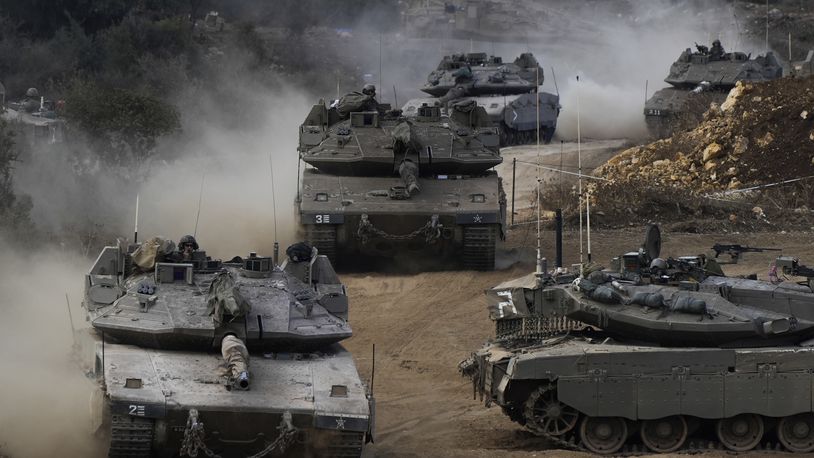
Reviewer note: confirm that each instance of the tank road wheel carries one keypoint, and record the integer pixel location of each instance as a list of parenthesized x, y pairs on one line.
[(323, 237), (546, 415), (479, 247), (665, 434), (741, 432), (603, 435), (796, 432), (130, 437)]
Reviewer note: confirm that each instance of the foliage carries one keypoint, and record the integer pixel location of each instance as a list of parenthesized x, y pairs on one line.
[(14, 210), (124, 124)]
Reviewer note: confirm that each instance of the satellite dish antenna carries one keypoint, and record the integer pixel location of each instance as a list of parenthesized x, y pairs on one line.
[(652, 242)]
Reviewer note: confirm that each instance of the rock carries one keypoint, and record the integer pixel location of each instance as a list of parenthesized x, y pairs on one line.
[(734, 183), (757, 99), (734, 95), (710, 165), (712, 151), (740, 146), (765, 140), (733, 218), (804, 114), (661, 163), (758, 212)]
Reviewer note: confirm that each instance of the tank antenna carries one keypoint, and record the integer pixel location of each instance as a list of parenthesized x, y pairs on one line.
[(135, 231), (554, 76), (274, 208), (372, 369), (380, 60), (539, 200), (579, 164), (70, 319), (200, 197), (395, 97), (767, 26)]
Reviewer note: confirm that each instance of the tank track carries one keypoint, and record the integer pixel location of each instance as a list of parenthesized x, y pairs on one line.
[(323, 237), (511, 137), (691, 445), (130, 437), (479, 247)]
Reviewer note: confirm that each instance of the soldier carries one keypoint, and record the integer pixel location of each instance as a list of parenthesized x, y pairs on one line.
[(186, 246), (717, 51), (31, 102)]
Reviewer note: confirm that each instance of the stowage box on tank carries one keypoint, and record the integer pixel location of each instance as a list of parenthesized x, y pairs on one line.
[(200, 357), (663, 354), (380, 184), (508, 91)]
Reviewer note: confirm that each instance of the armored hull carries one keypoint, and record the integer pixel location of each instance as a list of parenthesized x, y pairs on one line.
[(658, 357), (698, 79), (454, 217), (508, 91), (150, 394), (611, 397), (229, 359), (382, 184)]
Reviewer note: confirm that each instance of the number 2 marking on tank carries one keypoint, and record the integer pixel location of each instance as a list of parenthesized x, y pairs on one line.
[(137, 410)]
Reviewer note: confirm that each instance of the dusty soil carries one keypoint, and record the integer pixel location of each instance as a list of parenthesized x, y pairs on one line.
[(424, 324)]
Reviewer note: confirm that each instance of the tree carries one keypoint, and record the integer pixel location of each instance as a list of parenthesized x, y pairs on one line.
[(15, 221)]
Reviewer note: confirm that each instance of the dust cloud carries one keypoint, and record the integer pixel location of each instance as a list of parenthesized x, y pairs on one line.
[(235, 165), (45, 397)]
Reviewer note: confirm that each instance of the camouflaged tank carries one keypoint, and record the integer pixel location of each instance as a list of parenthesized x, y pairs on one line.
[(378, 183), (202, 357), (508, 91), (664, 358), (700, 78)]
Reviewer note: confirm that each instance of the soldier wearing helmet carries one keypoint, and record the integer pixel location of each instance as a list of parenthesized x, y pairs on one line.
[(717, 51), (31, 102), (186, 246), (369, 90)]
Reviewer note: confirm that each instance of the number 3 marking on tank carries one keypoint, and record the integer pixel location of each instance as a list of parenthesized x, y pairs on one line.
[(136, 410), (508, 303), (322, 219)]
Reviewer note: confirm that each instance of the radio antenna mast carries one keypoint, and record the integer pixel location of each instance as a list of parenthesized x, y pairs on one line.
[(539, 254), (200, 197), (135, 232), (274, 209), (579, 164)]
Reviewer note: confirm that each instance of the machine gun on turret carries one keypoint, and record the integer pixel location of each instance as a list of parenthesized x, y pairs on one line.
[(791, 266), (734, 251)]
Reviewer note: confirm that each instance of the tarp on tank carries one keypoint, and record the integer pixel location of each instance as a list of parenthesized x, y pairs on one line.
[(224, 301), (508, 299), (151, 251)]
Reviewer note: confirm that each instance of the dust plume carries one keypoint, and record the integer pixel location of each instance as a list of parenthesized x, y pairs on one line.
[(44, 403), (235, 164)]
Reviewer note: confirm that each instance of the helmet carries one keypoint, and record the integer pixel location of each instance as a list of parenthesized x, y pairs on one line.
[(187, 239), (32, 92), (716, 43), (369, 89), (658, 263)]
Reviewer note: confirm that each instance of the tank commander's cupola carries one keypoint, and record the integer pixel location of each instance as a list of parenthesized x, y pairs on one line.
[(255, 266), (428, 113)]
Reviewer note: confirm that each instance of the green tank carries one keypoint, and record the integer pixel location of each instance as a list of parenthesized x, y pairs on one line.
[(379, 184), (508, 91), (240, 358), (699, 78), (660, 355)]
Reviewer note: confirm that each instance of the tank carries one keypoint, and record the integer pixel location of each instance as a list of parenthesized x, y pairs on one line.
[(422, 188), (34, 117), (237, 358), (507, 91), (666, 357), (700, 78)]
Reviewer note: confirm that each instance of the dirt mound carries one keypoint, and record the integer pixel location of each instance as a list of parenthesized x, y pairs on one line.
[(763, 134)]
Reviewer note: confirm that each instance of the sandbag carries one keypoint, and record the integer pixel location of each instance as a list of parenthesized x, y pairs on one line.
[(150, 252), (224, 299), (653, 300)]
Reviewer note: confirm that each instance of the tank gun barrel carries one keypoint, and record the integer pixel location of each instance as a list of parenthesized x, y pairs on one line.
[(236, 356)]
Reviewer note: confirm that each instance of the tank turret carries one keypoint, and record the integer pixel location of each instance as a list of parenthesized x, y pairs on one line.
[(233, 358), (655, 353), (703, 76), (383, 184), (508, 91)]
